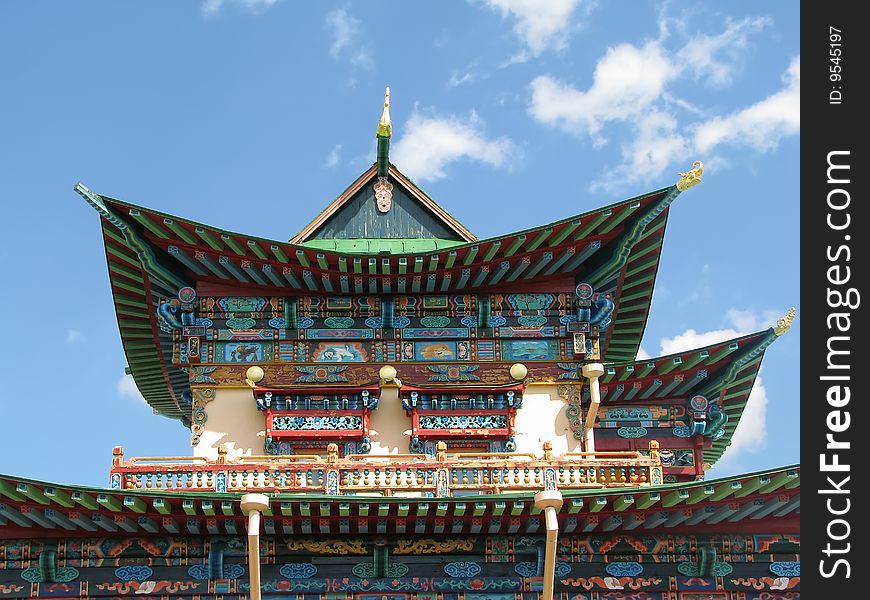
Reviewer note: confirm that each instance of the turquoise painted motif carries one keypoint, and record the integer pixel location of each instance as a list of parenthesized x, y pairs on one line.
[(462, 569), (530, 301), (200, 374), (682, 432), (631, 432), (411, 333), (786, 568), (624, 569), (435, 322), (463, 422), (241, 304), (628, 414), (692, 569), (61, 575), (310, 423), (339, 322), (573, 371), (532, 320), (241, 323), (230, 571), (339, 334), (529, 349), (134, 573), (298, 571)]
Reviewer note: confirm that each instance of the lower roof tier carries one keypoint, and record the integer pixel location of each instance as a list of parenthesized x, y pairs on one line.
[(34, 509)]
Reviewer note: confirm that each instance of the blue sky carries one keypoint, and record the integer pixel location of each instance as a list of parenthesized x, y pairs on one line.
[(252, 115)]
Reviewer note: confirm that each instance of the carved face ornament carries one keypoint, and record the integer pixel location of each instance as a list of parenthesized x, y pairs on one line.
[(383, 194)]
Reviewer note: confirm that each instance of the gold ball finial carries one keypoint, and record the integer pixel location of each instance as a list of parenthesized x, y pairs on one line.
[(519, 371), (387, 373), (255, 374)]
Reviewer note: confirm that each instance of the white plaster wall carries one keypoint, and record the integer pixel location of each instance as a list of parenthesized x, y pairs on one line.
[(388, 425), (233, 419), (542, 419)]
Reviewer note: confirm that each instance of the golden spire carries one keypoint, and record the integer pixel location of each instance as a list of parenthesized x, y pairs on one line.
[(692, 177), (385, 126), (784, 324)]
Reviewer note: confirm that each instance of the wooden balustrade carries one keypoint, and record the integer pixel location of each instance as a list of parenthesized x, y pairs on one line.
[(391, 475)]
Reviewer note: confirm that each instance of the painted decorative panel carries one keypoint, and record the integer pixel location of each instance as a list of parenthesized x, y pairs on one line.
[(241, 352), (410, 333), (312, 423), (340, 352), (435, 351), (463, 422), (530, 350)]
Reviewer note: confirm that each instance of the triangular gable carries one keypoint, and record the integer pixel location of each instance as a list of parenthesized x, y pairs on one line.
[(412, 214)]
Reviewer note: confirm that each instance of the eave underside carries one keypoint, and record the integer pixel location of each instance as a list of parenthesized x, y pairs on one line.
[(38, 509)]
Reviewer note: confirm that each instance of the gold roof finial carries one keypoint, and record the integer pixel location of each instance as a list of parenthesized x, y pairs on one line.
[(385, 126), (692, 177), (784, 324)]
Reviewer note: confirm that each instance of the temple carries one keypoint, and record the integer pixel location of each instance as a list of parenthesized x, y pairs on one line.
[(388, 408)]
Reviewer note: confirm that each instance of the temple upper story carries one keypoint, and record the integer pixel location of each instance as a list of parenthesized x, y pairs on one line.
[(385, 327)]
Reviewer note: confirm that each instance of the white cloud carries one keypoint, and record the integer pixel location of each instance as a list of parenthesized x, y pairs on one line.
[(716, 57), (346, 33), (74, 336), (540, 25), (127, 388), (627, 81), (430, 143), (657, 144), (762, 125), (632, 86), (333, 158), (751, 434), (212, 7), (456, 79)]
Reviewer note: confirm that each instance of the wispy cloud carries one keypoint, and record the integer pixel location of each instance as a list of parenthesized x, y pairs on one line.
[(346, 32), (457, 78), (127, 388), (431, 142), (333, 158), (762, 125), (633, 85), (212, 7), (540, 25), (74, 336), (715, 58)]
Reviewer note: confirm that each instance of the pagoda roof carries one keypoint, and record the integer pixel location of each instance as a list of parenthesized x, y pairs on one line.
[(724, 372), (152, 255), (766, 500)]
